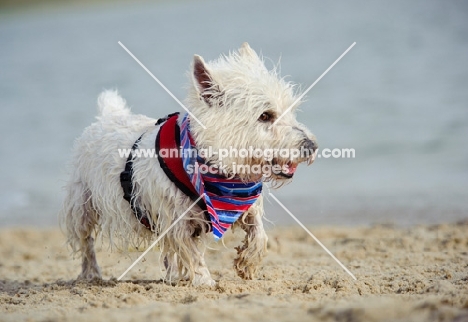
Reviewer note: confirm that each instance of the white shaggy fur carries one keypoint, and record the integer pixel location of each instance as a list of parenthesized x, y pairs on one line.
[(228, 96)]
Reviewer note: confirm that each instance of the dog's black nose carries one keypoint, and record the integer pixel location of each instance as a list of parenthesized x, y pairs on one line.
[(310, 145)]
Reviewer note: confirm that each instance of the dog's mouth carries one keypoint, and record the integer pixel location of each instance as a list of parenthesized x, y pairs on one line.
[(287, 170)]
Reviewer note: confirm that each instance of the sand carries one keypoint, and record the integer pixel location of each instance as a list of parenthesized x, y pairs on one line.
[(403, 274)]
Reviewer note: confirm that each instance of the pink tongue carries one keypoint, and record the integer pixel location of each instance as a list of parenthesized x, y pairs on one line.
[(292, 169)]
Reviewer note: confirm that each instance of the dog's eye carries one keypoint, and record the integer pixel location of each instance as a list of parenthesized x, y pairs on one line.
[(265, 117)]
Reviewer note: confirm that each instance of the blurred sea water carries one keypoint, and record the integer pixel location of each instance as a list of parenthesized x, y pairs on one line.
[(399, 97)]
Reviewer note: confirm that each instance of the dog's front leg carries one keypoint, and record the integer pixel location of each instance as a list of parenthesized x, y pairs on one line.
[(184, 259), (254, 247)]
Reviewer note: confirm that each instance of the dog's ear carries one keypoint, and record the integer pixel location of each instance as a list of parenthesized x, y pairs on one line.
[(248, 52), (203, 80)]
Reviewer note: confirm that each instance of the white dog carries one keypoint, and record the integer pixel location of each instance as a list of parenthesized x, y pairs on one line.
[(134, 199)]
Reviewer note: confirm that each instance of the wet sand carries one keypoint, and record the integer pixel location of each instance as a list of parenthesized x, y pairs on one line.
[(404, 274)]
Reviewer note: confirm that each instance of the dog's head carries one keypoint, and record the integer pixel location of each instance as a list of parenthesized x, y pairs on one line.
[(249, 109)]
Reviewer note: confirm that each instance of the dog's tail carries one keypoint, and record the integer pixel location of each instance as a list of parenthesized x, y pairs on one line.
[(111, 103)]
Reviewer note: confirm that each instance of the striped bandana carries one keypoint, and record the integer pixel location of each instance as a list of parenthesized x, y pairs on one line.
[(226, 199)]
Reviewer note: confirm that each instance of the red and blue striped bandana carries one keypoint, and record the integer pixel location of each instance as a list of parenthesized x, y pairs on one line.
[(226, 199)]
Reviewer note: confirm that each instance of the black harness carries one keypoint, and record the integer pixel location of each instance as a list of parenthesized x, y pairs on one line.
[(126, 181), (127, 186)]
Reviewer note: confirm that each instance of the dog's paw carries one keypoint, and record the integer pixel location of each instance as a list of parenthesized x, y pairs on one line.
[(89, 276), (174, 279), (246, 267), (243, 271), (170, 282), (203, 280)]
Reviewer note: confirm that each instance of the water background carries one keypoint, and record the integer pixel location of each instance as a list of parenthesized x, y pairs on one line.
[(399, 98)]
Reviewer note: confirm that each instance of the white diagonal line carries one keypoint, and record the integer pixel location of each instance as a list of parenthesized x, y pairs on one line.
[(159, 238), (162, 85), (313, 84), (312, 235)]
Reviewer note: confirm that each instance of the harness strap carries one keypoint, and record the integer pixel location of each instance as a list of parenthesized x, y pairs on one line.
[(126, 181), (179, 178), (169, 138), (165, 118)]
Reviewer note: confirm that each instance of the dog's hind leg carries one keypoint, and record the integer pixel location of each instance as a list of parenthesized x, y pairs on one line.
[(254, 248), (172, 269), (81, 220), (89, 267)]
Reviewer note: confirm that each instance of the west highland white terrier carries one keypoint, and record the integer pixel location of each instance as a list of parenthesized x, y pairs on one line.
[(238, 108)]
